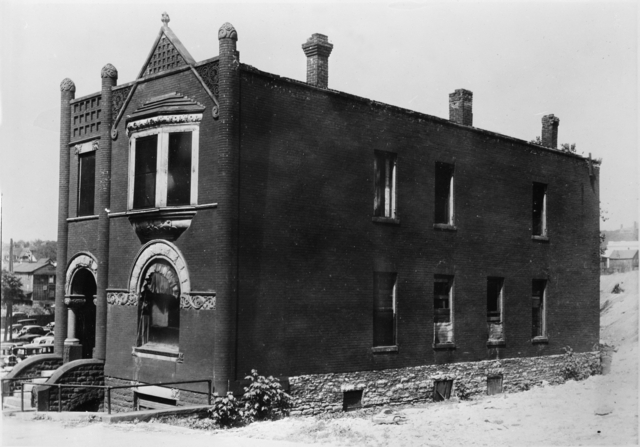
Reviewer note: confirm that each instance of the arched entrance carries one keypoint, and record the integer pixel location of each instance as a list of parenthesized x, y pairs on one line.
[(83, 291)]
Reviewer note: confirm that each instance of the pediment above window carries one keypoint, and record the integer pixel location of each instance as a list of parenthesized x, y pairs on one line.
[(172, 108)]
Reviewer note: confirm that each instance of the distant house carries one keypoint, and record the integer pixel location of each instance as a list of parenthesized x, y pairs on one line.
[(623, 260), (38, 280)]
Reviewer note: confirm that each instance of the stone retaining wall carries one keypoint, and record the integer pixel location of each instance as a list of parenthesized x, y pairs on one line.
[(31, 368), (122, 398), (78, 372), (320, 393)]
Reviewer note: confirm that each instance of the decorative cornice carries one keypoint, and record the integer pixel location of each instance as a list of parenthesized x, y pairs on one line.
[(163, 224), (67, 85), (227, 31), (109, 71), (198, 302), (163, 120), (122, 298)]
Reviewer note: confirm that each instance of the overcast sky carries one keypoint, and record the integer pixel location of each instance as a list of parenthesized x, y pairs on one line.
[(521, 60)]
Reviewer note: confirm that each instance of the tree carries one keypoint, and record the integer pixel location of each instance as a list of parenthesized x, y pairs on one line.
[(566, 147), (11, 287)]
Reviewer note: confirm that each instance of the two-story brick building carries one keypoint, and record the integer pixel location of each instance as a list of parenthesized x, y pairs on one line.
[(216, 219)]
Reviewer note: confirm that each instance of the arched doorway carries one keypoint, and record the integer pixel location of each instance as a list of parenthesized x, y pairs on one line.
[(83, 290)]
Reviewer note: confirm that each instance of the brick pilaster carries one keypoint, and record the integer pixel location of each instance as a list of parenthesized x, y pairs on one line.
[(67, 93), (103, 171), (227, 229)]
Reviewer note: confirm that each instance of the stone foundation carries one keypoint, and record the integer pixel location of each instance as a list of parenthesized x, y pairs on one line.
[(321, 393), (79, 372), (122, 399)]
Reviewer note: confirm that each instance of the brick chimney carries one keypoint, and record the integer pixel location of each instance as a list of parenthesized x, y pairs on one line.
[(550, 131), (317, 49), (461, 107)]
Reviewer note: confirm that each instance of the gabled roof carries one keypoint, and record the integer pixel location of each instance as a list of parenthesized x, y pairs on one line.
[(623, 254), (167, 52), (30, 267)]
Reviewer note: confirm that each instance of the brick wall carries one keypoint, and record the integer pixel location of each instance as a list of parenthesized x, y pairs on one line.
[(78, 372), (308, 245)]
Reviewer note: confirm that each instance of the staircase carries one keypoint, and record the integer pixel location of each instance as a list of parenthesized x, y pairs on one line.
[(12, 403)]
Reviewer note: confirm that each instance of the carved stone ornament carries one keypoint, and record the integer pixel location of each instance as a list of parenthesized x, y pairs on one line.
[(96, 145), (122, 298), (114, 134), (163, 121), (198, 302), (227, 31), (109, 71), (75, 302), (67, 85), (166, 225), (165, 19)]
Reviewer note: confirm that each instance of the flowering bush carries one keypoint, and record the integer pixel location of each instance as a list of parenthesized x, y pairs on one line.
[(265, 398)]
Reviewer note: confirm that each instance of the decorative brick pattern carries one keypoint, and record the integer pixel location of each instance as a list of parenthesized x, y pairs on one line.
[(209, 74), (322, 393), (118, 99), (86, 117), (165, 57)]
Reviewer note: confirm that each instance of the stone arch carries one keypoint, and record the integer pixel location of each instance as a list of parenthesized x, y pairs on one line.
[(153, 251), (82, 260)]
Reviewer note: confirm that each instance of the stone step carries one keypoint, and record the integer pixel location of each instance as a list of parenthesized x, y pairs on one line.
[(40, 379), (47, 373)]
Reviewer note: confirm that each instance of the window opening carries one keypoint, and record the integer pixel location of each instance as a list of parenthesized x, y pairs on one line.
[(179, 179), (442, 307), (494, 308), (442, 390), (538, 307), (494, 384), (384, 311), (86, 183), (159, 320), (444, 194), (539, 223), (385, 184), (351, 400), (150, 402), (144, 188)]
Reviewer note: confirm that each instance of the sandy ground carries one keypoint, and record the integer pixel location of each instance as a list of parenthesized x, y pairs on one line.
[(550, 415)]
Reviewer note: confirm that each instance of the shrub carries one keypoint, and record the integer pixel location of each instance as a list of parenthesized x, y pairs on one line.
[(264, 398), (577, 368), (227, 412)]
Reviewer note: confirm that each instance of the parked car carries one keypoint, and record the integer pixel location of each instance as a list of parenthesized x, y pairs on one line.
[(44, 340), (7, 357), (17, 316), (24, 351), (28, 333)]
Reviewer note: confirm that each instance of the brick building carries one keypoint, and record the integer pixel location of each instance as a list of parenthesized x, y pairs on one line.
[(215, 219)]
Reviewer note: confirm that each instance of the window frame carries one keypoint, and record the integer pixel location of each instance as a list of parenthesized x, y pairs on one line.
[(541, 220), (542, 335), (85, 151), (162, 163), (450, 279), (450, 201), (384, 186), (394, 308)]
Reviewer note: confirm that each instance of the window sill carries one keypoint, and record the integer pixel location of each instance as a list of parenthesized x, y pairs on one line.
[(158, 352), (539, 340), (540, 238), (383, 349), (163, 223), (496, 343), (447, 345), (444, 227), (81, 218), (386, 220)]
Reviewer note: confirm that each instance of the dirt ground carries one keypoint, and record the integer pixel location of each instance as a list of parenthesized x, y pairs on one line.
[(602, 410)]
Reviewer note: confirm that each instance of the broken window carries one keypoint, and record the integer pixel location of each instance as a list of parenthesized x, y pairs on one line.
[(159, 320), (494, 308), (442, 308), (384, 309), (444, 194), (539, 219), (164, 171), (442, 390), (351, 400), (86, 183), (538, 307), (385, 184)]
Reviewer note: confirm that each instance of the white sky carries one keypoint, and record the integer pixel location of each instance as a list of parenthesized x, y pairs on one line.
[(577, 60)]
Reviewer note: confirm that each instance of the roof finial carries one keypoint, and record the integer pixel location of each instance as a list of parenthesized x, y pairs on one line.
[(165, 19)]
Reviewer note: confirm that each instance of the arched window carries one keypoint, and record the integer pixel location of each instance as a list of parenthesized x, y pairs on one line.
[(159, 305)]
